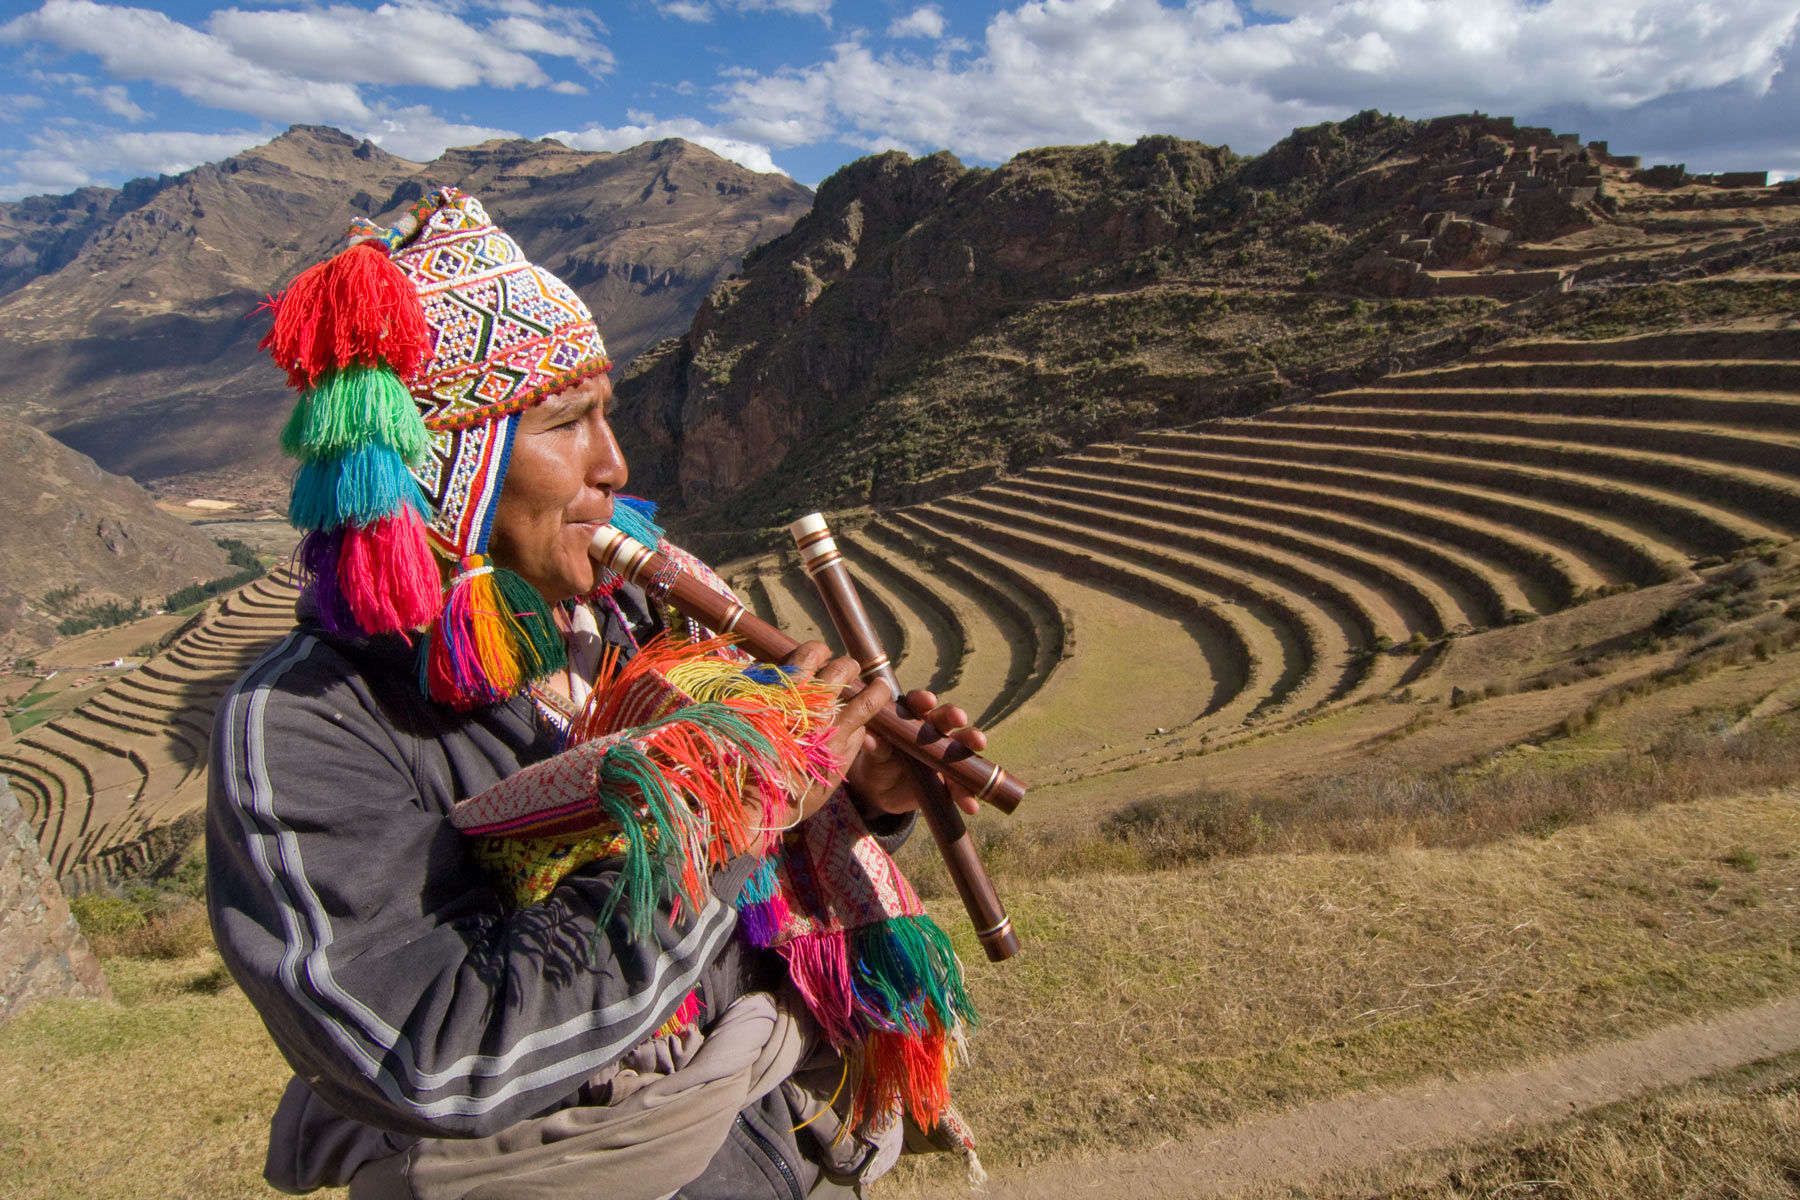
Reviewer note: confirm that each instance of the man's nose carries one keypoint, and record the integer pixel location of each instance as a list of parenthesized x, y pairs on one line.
[(606, 463)]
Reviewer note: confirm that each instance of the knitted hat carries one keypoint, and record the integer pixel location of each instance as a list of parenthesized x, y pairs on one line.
[(415, 350)]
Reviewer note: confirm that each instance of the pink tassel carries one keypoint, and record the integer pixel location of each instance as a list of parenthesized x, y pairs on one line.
[(387, 574), (819, 966)]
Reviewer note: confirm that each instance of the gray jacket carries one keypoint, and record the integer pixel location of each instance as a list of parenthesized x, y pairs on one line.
[(409, 1000)]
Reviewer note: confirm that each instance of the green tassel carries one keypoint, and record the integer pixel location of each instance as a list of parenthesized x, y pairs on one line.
[(905, 963), (540, 645), (626, 773), (352, 407)]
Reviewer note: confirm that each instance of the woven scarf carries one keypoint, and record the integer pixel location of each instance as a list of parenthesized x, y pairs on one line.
[(687, 756)]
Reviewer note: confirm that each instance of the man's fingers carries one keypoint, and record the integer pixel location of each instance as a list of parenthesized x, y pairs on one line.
[(948, 716), (806, 659), (921, 701), (971, 737), (863, 706), (839, 671)]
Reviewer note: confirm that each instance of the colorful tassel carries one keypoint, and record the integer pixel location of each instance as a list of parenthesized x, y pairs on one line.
[(387, 575), (358, 487), (635, 518), (354, 406), (493, 634), (318, 554), (356, 307)]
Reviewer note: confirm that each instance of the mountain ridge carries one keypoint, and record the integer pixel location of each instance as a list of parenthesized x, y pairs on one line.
[(126, 332)]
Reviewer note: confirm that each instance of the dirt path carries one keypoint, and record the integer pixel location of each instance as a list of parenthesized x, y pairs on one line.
[(1297, 1148)]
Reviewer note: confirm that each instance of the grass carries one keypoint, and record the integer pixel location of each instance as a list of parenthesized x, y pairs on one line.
[(1147, 1003), (1380, 808), (1736, 1134)]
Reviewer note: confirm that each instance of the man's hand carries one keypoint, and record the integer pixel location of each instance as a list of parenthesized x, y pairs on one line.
[(812, 660), (883, 780)]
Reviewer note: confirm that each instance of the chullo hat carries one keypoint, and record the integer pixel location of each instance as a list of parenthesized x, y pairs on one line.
[(415, 350)]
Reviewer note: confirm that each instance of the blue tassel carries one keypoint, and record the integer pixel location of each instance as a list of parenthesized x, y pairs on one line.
[(760, 886), (355, 488), (635, 519)]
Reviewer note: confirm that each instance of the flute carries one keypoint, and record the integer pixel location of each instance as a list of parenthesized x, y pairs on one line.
[(639, 564), (824, 565)]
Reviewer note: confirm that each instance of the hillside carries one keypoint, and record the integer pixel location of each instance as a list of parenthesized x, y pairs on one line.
[(126, 311), (928, 325), (82, 536)]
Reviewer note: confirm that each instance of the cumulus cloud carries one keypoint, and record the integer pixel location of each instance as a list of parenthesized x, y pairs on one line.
[(407, 43), (927, 22), (59, 160), (1057, 71), (14, 106), (646, 128), (703, 10), (137, 43), (114, 100), (305, 64), (686, 10), (420, 134)]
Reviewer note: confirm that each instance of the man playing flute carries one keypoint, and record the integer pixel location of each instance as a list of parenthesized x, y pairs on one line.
[(678, 960)]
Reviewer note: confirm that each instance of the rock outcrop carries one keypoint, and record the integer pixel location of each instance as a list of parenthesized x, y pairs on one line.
[(42, 952)]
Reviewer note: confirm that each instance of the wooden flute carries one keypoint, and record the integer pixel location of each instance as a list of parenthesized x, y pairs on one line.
[(824, 564), (639, 564)]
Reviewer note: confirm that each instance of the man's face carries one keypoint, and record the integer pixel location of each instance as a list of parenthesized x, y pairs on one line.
[(560, 481)]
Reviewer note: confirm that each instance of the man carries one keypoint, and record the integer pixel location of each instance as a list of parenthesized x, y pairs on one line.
[(445, 1042)]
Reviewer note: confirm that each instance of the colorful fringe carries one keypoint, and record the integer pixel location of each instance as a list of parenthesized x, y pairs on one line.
[(349, 332), (694, 740)]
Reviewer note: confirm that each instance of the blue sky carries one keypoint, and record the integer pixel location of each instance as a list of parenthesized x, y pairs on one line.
[(100, 92)]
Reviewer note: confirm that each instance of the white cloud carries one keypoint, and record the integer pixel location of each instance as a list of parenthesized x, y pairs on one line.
[(305, 64), (1060, 71), (420, 134), (404, 43), (137, 43), (927, 22), (645, 128), (803, 8), (114, 100), (59, 160), (703, 10), (14, 106)]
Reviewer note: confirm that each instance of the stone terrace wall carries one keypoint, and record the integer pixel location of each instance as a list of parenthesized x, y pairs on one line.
[(42, 952)]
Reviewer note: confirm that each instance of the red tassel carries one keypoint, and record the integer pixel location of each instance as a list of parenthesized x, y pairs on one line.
[(912, 1069), (357, 307), (387, 574)]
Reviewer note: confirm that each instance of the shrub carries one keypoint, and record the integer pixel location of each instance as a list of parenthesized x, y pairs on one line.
[(144, 922)]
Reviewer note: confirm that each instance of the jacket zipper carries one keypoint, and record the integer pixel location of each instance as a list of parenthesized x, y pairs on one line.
[(774, 1156)]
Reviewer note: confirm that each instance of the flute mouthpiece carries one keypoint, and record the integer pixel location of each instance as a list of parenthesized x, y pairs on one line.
[(613, 548), (810, 523)]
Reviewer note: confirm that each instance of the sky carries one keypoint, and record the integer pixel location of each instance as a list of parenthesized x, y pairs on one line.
[(97, 93)]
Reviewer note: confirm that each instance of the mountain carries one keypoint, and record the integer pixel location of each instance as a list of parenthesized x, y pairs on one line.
[(127, 314), (928, 324), (93, 536)]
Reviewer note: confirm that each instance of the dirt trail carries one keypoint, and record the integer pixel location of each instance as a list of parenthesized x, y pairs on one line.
[(1359, 1131)]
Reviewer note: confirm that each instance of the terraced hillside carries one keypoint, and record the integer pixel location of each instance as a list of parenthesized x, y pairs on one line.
[(107, 786), (1514, 518), (1187, 588)]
